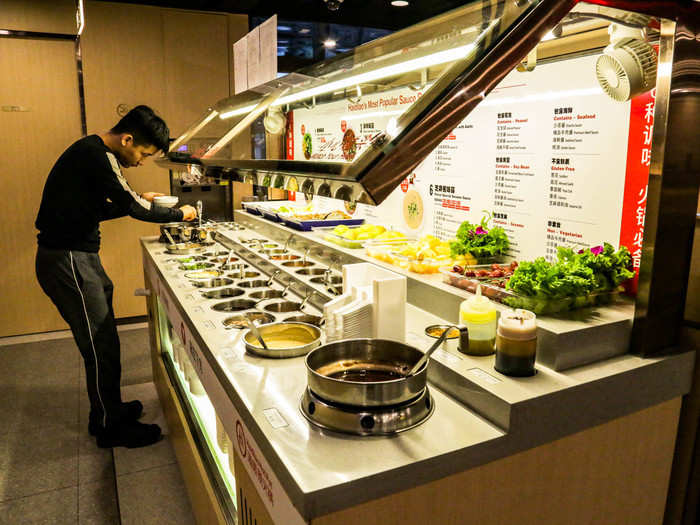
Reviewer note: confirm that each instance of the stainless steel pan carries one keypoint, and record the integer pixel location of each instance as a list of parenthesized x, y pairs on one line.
[(365, 372)]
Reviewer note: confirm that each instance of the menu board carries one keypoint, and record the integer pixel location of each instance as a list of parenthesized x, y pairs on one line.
[(544, 155)]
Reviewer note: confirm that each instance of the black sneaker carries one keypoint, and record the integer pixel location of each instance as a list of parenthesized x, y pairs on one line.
[(131, 411), (130, 435)]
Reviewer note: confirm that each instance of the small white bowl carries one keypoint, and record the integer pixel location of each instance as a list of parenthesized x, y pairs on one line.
[(166, 201)]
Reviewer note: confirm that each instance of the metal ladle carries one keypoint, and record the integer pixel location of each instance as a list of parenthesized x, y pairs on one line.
[(256, 333), (426, 355)]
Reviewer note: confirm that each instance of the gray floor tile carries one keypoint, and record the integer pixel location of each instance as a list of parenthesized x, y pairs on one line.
[(94, 463), (129, 460), (40, 461), (56, 508), (97, 503), (136, 357), (155, 496), (33, 406), (45, 360)]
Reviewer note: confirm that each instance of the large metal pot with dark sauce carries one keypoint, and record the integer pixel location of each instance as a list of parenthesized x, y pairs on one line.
[(365, 372)]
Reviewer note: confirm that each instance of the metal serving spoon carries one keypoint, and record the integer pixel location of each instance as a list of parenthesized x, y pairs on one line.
[(426, 355), (256, 333)]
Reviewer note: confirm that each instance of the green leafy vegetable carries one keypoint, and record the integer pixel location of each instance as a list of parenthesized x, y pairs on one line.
[(573, 274), (478, 240)]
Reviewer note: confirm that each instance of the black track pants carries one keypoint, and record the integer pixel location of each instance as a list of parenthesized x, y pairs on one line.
[(77, 284)]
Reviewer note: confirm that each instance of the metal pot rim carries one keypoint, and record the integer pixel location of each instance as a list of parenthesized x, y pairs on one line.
[(345, 381)]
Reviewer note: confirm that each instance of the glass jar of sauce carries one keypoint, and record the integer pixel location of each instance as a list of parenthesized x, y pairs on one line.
[(516, 343)]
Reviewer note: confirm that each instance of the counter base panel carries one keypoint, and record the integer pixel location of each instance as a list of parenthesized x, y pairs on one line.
[(251, 509), (205, 506), (617, 473)]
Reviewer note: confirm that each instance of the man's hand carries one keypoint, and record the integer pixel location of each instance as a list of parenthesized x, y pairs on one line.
[(150, 194), (188, 213)]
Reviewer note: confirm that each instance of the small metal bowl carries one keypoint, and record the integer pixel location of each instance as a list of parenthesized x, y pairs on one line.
[(185, 248), (297, 264), (240, 321), (203, 275), (259, 283), (267, 294), (451, 342), (188, 260), (306, 335), (335, 279), (235, 305), (285, 257), (284, 306), (244, 275), (194, 266), (222, 293), (224, 259), (436, 330), (213, 283), (311, 271), (315, 320)]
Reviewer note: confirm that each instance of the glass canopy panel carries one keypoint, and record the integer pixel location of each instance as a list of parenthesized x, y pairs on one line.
[(377, 89)]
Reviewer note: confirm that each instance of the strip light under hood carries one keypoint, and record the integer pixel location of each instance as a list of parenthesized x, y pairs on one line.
[(434, 59)]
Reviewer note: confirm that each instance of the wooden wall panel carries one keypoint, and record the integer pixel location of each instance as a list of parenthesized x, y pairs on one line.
[(175, 61), (31, 141), (44, 16), (123, 63), (172, 60), (196, 65)]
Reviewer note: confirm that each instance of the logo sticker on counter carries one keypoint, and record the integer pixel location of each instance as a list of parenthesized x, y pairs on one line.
[(274, 417), (478, 372)]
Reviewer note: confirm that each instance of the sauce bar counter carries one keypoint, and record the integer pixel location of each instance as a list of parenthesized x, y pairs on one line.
[(593, 444)]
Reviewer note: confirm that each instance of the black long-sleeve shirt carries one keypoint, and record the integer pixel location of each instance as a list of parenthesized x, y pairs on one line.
[(84, 187)]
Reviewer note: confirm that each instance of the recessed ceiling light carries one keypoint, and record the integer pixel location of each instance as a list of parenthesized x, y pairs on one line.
[(304, 30), (329, 42), (399, 3)]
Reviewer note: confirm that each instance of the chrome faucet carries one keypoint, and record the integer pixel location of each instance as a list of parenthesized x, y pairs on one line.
[(306, 254), (306, 299), (271, 280), (327, 277), (288, 241)]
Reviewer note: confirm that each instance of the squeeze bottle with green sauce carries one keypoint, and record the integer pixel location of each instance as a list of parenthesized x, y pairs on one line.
[(479, 314)]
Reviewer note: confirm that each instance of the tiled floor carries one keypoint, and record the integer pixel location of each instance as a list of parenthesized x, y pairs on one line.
[(51, 471)]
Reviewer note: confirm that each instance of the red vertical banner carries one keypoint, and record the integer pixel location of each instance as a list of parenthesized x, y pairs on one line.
[(289, 153), (637, 178)]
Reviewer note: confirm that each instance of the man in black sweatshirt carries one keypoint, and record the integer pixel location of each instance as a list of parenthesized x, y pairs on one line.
[(85, 187)]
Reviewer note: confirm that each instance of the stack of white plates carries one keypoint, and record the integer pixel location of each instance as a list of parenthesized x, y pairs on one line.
[(354, 319)]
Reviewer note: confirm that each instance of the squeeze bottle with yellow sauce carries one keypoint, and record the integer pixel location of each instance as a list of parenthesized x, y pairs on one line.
[(479, 314)]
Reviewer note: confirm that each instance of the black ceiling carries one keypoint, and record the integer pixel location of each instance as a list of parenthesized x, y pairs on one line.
[(363, 13)]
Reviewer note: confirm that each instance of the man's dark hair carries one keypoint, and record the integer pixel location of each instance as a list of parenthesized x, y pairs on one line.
[(147, 128)]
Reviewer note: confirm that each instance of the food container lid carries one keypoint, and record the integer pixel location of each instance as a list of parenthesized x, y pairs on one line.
[(518, 324), (477, 309)]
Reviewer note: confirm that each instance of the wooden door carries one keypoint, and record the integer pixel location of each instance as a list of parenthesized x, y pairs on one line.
[(39, 119)]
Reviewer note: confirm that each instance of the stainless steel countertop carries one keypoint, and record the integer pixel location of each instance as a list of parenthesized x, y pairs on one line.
[(322, 472)]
